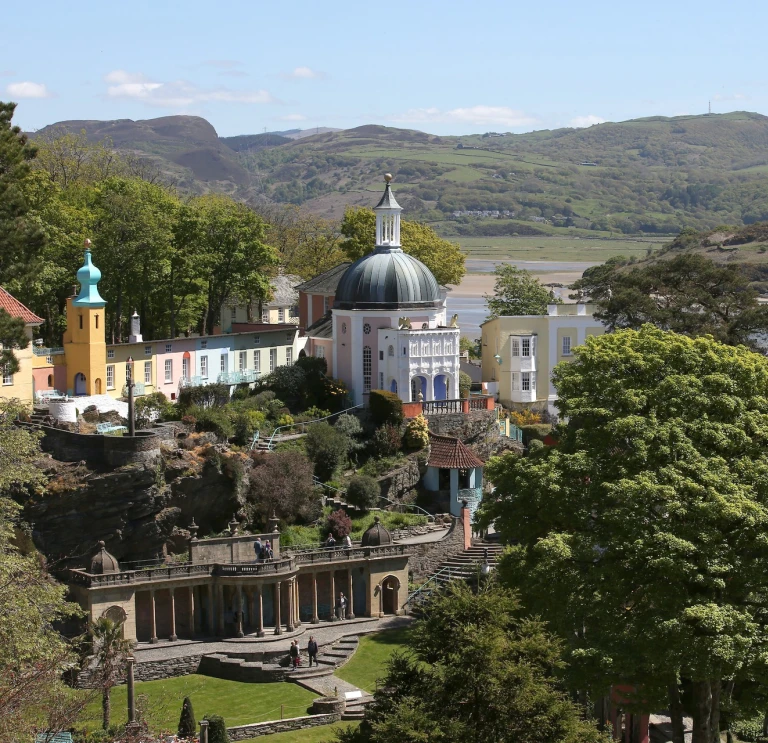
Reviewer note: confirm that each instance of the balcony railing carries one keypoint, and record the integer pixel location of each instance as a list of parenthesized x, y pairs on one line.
[(40, 351), (441, 407), (239, 377), (139, 389)]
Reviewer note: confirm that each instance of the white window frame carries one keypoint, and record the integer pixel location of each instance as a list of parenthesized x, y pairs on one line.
[(223, 364), (203, 344), (110, 353), (147, 350), (204, 367), (168, 347), (265, 316), (168, 370), (272, 359), (367, 368), (257, 361), (525, 382), (289, 356), (566, 345), (256, 340), (242, 360), (515, 381), (147, 372), (185, 368), (515, 346), (281, 314), (325, 305), (110, 376), (320, 352), (525, 348), (381, 380)]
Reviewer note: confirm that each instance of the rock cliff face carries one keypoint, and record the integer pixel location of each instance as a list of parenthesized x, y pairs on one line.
[(140, 511), (479, 430)]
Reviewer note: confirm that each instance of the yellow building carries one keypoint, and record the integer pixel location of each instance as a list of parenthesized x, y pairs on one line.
[(85, 347), (20, 385), (519, 352)]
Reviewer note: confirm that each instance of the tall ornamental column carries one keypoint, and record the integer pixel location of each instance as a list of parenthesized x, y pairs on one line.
[(131, 690), (173, 636), (259, 612), (152, 617), (278, 628), (220, 607), (191, 608), (289, 618), (297, 611), (350, 612), (210, 626), (315, 618), (333, 596), (239, 610)]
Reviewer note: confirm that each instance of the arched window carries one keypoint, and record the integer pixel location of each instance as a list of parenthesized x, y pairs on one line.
[(81, 322), (415, 388), (391, 351), (366, 369), (50, 380)]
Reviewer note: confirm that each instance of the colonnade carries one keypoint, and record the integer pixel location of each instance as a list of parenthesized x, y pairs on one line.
[(214, 606)]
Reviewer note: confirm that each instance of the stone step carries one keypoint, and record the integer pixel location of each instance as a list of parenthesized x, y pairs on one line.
[(335, 654)]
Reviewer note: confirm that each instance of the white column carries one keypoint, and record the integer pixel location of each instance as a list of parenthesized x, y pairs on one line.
[(355, 332)]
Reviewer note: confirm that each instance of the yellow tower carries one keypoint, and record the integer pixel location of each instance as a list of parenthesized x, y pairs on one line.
[(85, 348)]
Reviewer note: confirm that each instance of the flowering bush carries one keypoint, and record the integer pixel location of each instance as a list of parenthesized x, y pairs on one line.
[(417, 433), (524, 417)]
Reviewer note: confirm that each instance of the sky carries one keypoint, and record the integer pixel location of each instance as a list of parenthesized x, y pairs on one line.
[(443, 67)]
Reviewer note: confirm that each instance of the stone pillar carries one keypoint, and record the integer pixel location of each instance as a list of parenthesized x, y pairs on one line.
[(289, 618), (210, 627), (239, 610), (173, 636), (203, 731), (192, 611), (333, 595), (315, 618), (131, 691), (278, 628), (350, 612), (297, 612), (259, 612), (152, 617)]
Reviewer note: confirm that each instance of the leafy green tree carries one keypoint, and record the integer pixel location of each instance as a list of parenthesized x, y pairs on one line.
[(13, 336), (465, 384), (443, 258), (327, 448), (640, 537), (472, 347), (688, 294), (21, 238), (517, 292), (363, 491), (187, 722), (476, 670), (229, 238), (110, 652)]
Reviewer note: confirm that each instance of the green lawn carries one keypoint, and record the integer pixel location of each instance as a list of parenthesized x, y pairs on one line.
[(368, 663), (237, 703), (322, 734)]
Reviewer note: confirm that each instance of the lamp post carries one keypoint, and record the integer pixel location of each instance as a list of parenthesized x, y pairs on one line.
[(129, 383), (131, 691)]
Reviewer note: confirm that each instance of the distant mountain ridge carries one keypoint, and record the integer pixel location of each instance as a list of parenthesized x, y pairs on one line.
[(653, 175)]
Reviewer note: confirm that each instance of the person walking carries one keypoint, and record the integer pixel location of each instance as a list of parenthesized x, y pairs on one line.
[(342, 606), (312, 650), (294, 653), (258, 548)]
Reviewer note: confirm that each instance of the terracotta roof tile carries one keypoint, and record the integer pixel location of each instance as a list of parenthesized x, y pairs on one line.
[(450, 453), (16, 309)]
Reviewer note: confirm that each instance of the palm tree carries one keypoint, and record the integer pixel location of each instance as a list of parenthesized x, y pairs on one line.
[(110, 652)]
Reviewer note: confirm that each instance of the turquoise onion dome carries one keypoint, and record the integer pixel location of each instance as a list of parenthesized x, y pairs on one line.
[(88, 276)]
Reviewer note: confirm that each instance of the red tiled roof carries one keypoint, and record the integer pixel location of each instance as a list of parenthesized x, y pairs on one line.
[(451, 453), (16, 309)]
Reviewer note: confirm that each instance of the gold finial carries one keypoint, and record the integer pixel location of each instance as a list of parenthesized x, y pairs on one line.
[(87, 244), (387, 177)]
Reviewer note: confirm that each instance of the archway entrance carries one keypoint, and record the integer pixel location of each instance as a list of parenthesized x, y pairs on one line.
[(97, 386), (393, 386), (390, 588), (118, 616), (80, 383), (441, 387), (418, 384)]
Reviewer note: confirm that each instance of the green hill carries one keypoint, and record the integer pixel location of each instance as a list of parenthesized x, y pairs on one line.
[(654, 175)]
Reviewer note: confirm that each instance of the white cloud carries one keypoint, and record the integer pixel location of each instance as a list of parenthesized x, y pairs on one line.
[(176, 94), (27, 90), (303, 73), (475, 115), (579, 122)]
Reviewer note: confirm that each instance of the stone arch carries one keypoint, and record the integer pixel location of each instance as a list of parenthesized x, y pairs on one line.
[(50, 380), (97, 386), (418, 384), (441, 386), (117, 615), (393, 385), (390, 595)]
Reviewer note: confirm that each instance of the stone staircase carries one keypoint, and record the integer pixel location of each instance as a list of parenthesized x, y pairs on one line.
[(462, 566), (355, 708), (252, 668)]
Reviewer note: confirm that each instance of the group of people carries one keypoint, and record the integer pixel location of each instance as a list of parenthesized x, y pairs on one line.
[(263, 550), (330, 543), (295, 652)]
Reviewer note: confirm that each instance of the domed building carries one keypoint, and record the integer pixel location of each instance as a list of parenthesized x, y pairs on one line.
[(386, 327)]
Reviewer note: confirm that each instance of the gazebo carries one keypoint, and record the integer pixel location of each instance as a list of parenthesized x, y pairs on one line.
[(453, 469)]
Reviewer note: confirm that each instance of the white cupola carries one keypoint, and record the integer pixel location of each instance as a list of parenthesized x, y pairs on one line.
[(135, 336), (388, 219)]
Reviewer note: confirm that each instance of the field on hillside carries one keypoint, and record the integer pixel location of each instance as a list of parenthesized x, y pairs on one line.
[(553, 248)]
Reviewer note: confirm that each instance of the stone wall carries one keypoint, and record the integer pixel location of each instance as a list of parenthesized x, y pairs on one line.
[(395, 485), (257, 729), (427, 556), (230, 549), (165, 669), (478, 429)]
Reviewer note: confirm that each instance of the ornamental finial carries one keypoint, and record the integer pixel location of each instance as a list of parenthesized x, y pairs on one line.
[(87, 244), (387, 177)]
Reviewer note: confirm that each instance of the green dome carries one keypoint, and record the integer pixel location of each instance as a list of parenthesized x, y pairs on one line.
[(89, 276)]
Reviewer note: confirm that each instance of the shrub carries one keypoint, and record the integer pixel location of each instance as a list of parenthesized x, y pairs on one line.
[(287, 382), (535, 445), (385, 407), (281, 482), (215, 420), (417, 433), (535, 431), (187, 722), (363, 492), (246, 423), (465, 384), (314, 412), (327, 448), (524, 417), (386, 441), (207, 396), (339, 524), (351, 427), (750, 729), (217, 730)]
